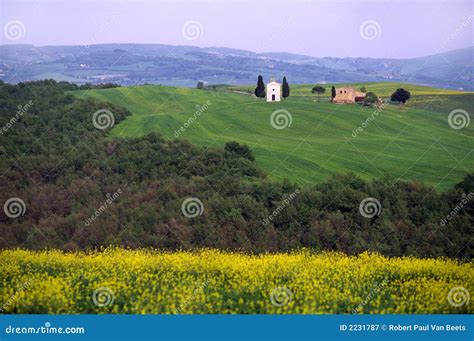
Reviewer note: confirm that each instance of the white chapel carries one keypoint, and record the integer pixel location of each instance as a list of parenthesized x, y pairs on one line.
[(273, 91)]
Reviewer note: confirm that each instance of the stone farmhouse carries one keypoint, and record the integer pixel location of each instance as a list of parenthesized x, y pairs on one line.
[(348, 95), (273, 91)]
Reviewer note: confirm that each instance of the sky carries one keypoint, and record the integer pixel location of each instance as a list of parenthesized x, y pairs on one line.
[(368, 28)]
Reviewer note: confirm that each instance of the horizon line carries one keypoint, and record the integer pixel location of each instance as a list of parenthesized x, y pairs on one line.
[(237, 49)]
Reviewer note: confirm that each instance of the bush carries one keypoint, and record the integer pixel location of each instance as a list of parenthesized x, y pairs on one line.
[(370, 98), (239, 149), (401, 95)]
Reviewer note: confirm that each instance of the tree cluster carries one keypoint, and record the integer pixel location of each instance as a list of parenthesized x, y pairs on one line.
[(400, 95)]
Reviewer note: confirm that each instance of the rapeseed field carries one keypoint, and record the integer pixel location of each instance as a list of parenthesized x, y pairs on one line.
[(117, 280)]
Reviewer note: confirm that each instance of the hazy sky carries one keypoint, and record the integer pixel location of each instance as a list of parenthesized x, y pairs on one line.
[(396, 29)]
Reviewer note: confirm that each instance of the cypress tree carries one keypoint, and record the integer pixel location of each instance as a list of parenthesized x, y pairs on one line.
[(333, 92), (260, 89), (286, 88)]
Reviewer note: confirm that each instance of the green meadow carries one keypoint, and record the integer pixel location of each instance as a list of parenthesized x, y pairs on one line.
[(411, 142)]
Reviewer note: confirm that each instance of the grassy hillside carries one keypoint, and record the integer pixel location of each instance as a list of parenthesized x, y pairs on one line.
[(411, 142), (209, 282)]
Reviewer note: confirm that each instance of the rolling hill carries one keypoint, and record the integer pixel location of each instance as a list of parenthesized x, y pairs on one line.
[(133, 64), (413, 142)]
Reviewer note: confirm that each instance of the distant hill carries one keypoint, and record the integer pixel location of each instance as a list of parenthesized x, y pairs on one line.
[(131, 64)]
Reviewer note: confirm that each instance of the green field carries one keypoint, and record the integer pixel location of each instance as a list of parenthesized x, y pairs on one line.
[(412, 142)]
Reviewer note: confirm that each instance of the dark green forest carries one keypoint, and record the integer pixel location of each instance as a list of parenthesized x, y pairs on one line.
[(67, 171)]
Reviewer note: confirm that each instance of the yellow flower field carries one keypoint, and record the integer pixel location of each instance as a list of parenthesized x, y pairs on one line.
[(118, 280)]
